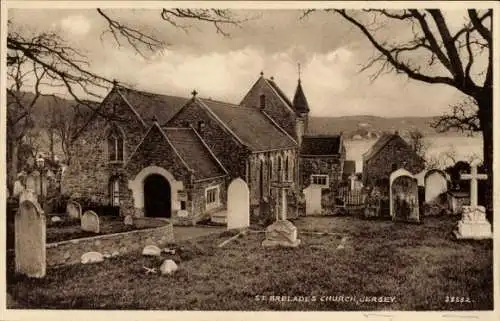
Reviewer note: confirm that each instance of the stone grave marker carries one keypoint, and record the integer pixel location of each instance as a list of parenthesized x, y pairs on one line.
[(403, 196), (281, 233), (238, 204), (74, 210), (474, 224), (30, 237), (90, 222), (312, 195), (435, 184)]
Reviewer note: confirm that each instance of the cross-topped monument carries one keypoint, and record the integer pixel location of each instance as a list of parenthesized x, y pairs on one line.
[(474, 224), (473, 177), (281, 186)]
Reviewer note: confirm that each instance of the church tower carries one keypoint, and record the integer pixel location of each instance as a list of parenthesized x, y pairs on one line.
[(301, 108)]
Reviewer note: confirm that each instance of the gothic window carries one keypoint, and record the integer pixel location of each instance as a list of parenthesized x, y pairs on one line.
[(280, 174), (114, 191), (269, 174), (261, 179), (115, 145), (287, 169), (262, 101)]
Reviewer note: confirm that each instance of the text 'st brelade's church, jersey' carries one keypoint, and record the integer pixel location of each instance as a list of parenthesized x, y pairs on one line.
[(167, 156)]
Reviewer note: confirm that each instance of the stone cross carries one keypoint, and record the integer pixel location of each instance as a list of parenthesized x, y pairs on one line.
[(473, 177), (281, 185)]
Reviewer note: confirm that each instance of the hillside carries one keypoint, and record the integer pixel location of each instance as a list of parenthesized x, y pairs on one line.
[(369, 127)]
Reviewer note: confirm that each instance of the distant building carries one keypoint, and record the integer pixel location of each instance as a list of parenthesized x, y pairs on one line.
[(321, 160), (389, 153)]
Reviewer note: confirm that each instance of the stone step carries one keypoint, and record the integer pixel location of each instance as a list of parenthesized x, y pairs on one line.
[(220, 217)]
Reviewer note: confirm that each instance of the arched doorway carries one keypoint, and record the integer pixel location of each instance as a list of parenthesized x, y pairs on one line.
[(157, 196)]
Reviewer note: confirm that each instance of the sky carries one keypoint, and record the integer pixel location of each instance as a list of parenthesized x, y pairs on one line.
[(330, 51)]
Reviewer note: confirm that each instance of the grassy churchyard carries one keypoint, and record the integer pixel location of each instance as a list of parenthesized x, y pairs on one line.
[(417, 267)]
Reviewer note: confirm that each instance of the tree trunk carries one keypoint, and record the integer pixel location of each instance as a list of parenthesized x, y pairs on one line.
[(485, 103), (14, 151)]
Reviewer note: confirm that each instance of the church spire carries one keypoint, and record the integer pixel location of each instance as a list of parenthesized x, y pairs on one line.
[(299, 100)]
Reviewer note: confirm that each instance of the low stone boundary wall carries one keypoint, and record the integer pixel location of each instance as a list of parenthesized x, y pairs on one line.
[(70, 252)]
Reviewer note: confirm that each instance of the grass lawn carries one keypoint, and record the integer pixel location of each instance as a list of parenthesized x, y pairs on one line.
[(419, 265)]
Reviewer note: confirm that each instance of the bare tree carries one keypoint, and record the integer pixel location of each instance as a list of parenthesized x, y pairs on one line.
[(46, 59), (463, 116), (417, 142), (452, 57)]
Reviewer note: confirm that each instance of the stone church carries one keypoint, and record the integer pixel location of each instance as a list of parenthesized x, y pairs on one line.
[(167, 156)]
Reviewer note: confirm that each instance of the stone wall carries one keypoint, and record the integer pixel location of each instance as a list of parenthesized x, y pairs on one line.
[(331, 166), (256, 160), (225, 147), (197, 202), (275, 107), (396, 154), (70, 252), (89, 171)]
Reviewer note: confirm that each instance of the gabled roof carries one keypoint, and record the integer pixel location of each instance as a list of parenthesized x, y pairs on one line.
[(194, 152), (299, 100), (321, 145), (279, 91), (379, 144), (250, 126), (148, 105)]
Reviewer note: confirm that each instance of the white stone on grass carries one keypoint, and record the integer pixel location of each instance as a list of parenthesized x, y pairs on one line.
[(151, 250), (168, 267), (55, 219), (128, 220), (92, 257), (115, 253)]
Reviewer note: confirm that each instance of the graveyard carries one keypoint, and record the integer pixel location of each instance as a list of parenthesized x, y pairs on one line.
[(416, 241), (419, 265)]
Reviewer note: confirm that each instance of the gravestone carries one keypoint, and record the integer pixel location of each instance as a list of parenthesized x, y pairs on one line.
[(30, 237), (90, 222), (281, 233), (403, 196), (74, 210), (312, 195), (435, 185), (128, 220), (238, 204), (474, 224)]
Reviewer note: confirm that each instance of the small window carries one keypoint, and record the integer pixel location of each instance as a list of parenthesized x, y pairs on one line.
[(262, 101), (212, 197), (183, 205), (319, 180), (201, 125)]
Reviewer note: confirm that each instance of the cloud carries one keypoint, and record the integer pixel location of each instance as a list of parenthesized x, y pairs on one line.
[(76, 25)]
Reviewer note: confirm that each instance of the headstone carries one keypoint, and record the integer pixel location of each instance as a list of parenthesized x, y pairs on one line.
[(30, 237), (404, 196), (457, 200), (435, 185), (90, 222), (91, 257), (18, 188), (238, 204), (55, 219), (312, 195), (151, 250), (128, 220), (474, 224), (281, 233), (168, 267), (74, 210)]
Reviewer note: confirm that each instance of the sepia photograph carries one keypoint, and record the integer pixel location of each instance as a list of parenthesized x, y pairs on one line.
[(248, 157)]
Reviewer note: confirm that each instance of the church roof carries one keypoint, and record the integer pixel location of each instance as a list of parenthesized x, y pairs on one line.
[(378, 145), (321, 145), (299, 100), (148, 105), (250, 126), (194, 152), (279, 92)]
